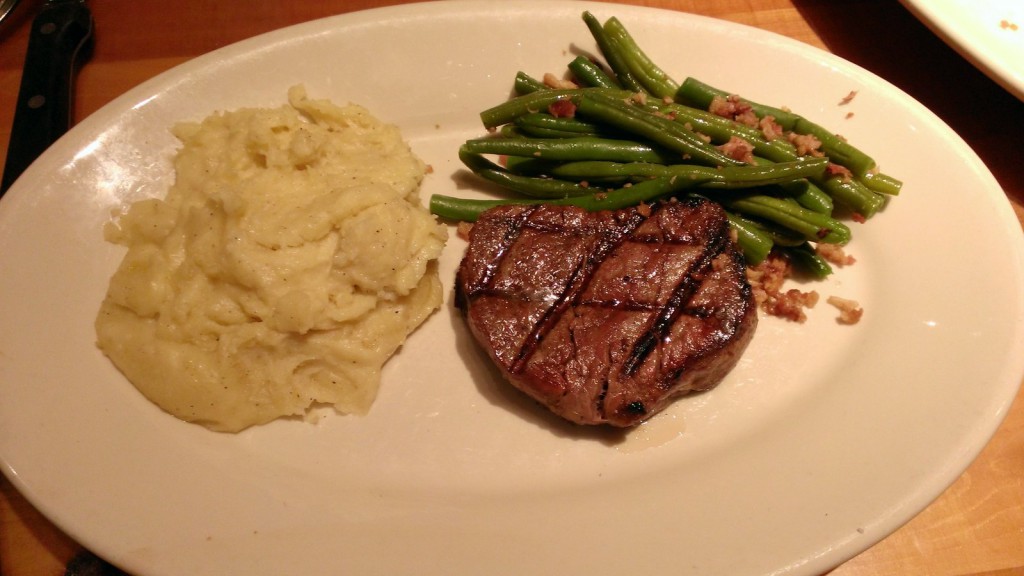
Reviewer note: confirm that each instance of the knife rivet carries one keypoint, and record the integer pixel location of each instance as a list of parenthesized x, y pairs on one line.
[(48, 28), (36, 101)]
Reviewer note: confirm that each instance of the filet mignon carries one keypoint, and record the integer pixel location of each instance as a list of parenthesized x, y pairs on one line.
[(606, 317)]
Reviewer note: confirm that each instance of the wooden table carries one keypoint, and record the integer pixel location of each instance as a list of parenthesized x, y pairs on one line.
[(976, 527)]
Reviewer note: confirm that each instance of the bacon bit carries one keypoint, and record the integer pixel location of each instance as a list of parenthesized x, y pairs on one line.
[(835, 254), (503, 160), (766, 280), (552, 81), (734, 108), (584, 184), (791, 304), (822, 233), (834, 169), (848, 98), (562, 109), (770, 128), (429, 169), (738, 149), (462, 230), (805, 144), (644, 209), (639, 98), (720, 107), (858, 218), (850, 311), (1007, 25), (747, 118), (849, 115)]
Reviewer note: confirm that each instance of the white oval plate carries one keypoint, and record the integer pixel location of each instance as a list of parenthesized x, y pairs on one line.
[(823, 440), (988, 33)]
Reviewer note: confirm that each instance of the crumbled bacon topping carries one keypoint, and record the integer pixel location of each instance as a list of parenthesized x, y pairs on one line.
[(834, 254), (850, 311), (843, 172), (848, 98), (734, 108), (766, 280), (639, 98), (806, 144), (562, 109), (738, 149), (770, 128)]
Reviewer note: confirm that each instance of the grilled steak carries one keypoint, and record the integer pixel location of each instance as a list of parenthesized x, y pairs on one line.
[(606, 317)]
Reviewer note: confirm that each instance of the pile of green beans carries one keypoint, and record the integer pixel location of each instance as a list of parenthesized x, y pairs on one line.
[(629, 134)]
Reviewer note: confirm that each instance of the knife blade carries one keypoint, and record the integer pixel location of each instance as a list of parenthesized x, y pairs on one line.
[(43, 107)]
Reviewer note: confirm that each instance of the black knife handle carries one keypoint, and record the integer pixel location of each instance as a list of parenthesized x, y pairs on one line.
[(44, 103)]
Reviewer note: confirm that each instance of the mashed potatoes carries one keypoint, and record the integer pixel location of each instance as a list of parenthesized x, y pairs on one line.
[(288, 262)]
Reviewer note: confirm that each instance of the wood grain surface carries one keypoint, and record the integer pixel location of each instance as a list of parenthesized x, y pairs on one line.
[(975, 528)]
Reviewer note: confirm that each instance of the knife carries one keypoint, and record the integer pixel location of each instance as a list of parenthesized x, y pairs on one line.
[(43, 111)]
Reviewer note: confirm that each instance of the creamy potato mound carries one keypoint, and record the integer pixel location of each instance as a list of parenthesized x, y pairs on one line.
[(289, 260)]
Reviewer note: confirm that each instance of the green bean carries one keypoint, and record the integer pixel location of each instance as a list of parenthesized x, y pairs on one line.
[(662, 131), (852, 194), (882, 183), (590, 74), (468, 210), (538, 101), (606, 44), (526, 84), (811, 196), (647, 73), (700, 95), (721, 130), (545, 125), (581, 148), (548, 188), (806, 260), (753, 241), (812, 225), (840, 151), (638, 136), (724, 178), (804, 191)]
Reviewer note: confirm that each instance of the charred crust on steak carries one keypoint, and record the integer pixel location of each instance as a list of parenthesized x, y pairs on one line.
[(606, 317)]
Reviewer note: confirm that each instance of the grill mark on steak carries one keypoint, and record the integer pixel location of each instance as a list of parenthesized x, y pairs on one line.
[(511, 235), (677, 303), (579, 280), (605, 317)]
